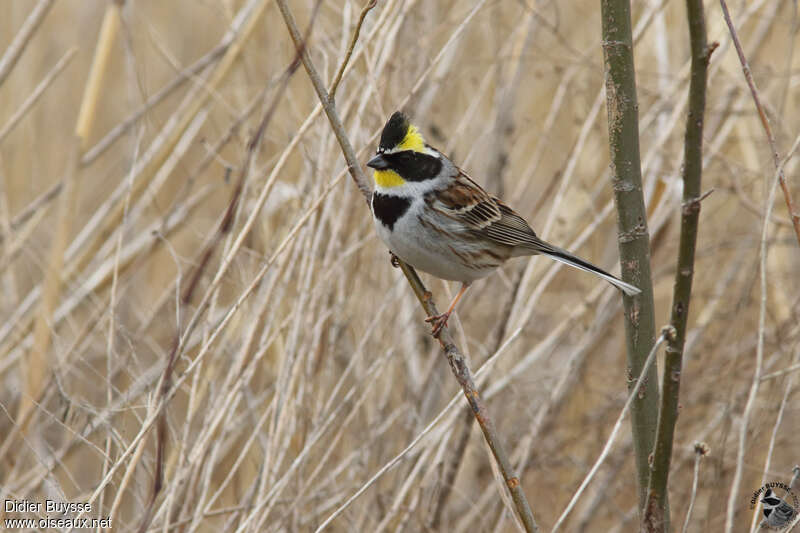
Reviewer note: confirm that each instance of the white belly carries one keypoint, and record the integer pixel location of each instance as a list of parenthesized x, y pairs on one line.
[(426, 250)]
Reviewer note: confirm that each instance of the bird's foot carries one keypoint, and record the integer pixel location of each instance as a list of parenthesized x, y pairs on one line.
[(438, 322), (395, 261)]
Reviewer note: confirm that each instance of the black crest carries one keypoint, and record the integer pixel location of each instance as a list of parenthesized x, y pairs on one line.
[(394, 131)]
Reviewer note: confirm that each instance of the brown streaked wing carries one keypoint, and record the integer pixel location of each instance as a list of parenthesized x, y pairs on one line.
[(512, 229), (465, 201), (484, 214)]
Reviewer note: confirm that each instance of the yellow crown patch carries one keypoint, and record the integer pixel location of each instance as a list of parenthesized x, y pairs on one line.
[(413, 140)]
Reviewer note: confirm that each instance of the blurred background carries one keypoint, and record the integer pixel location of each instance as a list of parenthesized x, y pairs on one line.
[(308, 366)]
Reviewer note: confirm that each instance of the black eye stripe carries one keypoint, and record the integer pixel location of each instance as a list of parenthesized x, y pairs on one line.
[(388, 208), (414, 166)]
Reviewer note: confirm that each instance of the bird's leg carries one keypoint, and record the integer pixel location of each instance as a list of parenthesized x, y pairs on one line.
[(440, 321)]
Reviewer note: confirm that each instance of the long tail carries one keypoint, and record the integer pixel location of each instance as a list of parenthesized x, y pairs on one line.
[(567, 258)]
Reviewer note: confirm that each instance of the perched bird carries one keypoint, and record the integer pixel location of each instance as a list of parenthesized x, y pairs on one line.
[(777, 513), (435, 218)]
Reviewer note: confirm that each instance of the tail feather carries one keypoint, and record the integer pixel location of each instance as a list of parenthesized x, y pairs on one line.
[(576, 262)]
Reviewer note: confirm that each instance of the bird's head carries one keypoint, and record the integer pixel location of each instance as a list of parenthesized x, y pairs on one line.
[(402, 155), (770, 499)]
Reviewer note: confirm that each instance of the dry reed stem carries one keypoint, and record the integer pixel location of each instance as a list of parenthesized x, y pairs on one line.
[(112, 214), (37, 364), (335, 85), (31, 100), (23, 38), (224, 229), (448, 409), (218, 420)]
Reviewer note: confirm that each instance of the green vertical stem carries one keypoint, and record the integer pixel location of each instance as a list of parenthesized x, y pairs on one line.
[(634, 240), (656, 518)]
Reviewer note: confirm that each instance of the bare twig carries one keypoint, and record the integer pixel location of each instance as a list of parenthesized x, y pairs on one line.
[(748, 76), (456, 359), (787, 393), (431, 425), (23, 37), (762, 317), (667, 332), (37, 92), (335, 85), (700, 451), (656, 516), (778, 373)]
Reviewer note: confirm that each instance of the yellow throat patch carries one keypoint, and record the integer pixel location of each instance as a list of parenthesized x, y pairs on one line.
[(412, 141), (387, 178)]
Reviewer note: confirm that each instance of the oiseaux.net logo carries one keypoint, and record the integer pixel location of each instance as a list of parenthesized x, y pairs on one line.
[(779, 503)]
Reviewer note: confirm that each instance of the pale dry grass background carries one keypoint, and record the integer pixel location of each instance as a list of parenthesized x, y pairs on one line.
[(327, 371)]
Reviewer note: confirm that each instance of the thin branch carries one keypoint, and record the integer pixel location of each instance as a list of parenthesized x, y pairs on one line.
[(787, 393), (634, 239), (762, 317), (356, 32), (700, 451), (748, 76), (31, 100), (23, 37), (431, 425), (667, 332), (353, 166), (656, 517), (779, 373), (457, 361)]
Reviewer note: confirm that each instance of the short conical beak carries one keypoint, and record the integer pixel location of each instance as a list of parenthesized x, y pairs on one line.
[(378, 162)]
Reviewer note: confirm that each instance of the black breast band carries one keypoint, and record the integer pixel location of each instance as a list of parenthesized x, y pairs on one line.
[(388, 208)]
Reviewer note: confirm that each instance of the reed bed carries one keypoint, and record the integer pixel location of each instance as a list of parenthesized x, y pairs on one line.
[(200, 330)]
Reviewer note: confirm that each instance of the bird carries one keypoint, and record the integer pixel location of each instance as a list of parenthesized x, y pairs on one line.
[(777, 513), (434, 217)]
